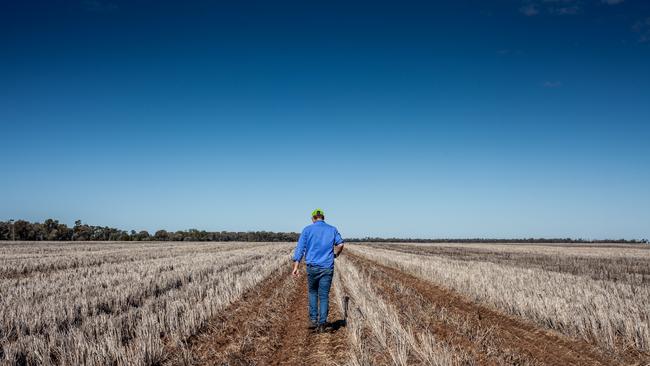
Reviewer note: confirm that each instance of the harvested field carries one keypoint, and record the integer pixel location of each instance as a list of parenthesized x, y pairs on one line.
[(237, 304), (473, 331), (600, 263), (97, 303), (268, 326), (613, 316)]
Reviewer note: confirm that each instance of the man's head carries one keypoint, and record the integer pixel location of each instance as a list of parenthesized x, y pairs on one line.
[(317, 215)]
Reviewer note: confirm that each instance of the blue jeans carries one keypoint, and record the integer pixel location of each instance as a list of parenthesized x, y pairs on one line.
[(319, 281)]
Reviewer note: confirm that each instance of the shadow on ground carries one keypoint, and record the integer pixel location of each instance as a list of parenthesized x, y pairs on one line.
[(335, 326)]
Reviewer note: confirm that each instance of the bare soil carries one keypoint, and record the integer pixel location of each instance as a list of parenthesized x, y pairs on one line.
[(486, 335), (302, 346), (269, 326), (628, 269)]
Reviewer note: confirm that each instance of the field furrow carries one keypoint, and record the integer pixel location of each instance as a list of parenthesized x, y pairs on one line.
[(188, 304), (268, 326), (488, 336), (632, 266), (302, 346), (125, 313), (20, 267), (608, 314), (379, 334)]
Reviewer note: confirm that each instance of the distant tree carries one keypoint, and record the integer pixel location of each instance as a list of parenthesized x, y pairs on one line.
[(161, 235), (23, 230), (81, 232), (178, 236), (5, 230), (51, 229), (142, 236)]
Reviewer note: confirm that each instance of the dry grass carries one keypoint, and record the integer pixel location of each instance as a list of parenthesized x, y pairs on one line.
[(378, 334), (617, 263), (185, 303), (97, 303), (608, 313)]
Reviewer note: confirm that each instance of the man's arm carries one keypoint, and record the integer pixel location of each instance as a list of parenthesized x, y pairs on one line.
[(299, 252), (338, 249), (338, 244)]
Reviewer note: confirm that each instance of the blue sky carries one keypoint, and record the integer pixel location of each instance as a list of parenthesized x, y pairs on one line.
[(409, 119)]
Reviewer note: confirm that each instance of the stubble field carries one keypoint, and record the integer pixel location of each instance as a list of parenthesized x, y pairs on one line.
[(184, 303)]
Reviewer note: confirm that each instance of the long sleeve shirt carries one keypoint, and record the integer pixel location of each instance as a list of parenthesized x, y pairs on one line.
[(316, 244)]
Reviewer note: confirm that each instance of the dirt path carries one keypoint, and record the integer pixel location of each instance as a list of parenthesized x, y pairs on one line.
[(268, 326), (302, 346), (491, 337)]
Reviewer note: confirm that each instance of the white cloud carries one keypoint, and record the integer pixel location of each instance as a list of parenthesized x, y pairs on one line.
[(509, 52), (612, 2), (529, 10), (643, 28), (557, 7), (564, 10), (552, 84), (553, 7)]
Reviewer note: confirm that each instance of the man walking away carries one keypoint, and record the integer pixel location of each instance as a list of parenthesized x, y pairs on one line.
[(319, 243)]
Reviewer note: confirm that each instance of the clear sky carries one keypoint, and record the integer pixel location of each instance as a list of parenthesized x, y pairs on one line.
[(409, 119)]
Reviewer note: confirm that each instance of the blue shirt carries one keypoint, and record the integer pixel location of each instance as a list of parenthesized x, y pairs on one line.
[(317, 243)]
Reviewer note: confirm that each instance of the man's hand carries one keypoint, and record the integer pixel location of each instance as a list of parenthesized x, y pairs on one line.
[(337, 250), (295, 271)]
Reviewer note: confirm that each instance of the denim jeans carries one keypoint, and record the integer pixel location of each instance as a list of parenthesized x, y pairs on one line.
[(319, 281)]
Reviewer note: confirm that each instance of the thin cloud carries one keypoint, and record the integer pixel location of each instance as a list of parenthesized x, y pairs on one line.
[(529, 10), (557, 7), (643, 28), (565, 10), (552, 7), (552, 84), (509, 52)]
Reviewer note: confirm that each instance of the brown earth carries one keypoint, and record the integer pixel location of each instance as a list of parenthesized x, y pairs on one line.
[(487, 335), (76, 263), (302, 346), (625, 269), (268, 326)]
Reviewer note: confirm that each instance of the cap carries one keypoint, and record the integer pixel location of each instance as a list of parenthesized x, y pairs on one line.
[(317, 212)]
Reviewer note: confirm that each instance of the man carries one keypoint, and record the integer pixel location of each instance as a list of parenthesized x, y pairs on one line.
[(319, 243)]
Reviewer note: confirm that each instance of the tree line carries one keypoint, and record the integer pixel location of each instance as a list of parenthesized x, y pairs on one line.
[(505, 241), (53, 230)]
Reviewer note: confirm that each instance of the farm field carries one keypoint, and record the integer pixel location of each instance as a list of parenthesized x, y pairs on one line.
[(180, 303)]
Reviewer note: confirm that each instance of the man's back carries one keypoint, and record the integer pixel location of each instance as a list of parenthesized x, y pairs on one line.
[(317, 243)]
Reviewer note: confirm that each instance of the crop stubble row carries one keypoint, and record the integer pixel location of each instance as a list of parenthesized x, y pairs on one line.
[(612, 315), (410, 304), (126, 312)]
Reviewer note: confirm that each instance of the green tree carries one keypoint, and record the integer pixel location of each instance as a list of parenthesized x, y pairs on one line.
[(161, 235)]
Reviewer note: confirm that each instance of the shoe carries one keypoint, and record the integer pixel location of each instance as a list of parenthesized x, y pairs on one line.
[(312, 325), (322, 328)]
